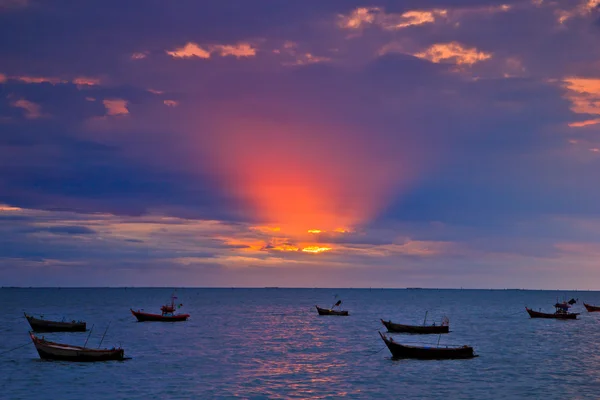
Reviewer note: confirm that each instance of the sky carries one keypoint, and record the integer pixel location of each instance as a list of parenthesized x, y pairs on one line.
[(340, 143)]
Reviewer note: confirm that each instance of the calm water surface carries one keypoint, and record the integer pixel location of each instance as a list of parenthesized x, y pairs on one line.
[(270, 343)]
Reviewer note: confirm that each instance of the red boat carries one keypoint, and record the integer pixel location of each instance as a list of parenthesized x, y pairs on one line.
[(591, 308), (168, 314)]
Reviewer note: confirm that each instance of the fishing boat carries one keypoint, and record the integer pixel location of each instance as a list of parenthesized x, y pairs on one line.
[(417, 329), (427, 352), (562, 312), (591, 308), (66, 352), (44, 325), (167, 314), (329, 311)]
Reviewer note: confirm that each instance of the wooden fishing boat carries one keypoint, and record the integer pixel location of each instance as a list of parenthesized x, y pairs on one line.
[(329, 311), (167, 315), (417, 329), (591, 308), (427, 353), (65, 352), (560, 313), (43, 325)]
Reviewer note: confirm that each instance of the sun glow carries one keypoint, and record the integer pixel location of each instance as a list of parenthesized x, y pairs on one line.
[(315, 249)]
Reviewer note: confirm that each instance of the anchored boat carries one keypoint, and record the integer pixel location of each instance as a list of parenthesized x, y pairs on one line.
[(591, 308), (43, 325), (329, 311), (66, 352), (426, 352), (417, 329), (167, 315), (562, 312)]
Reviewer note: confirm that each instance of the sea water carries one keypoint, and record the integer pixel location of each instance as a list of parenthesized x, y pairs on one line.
[(271, 344)]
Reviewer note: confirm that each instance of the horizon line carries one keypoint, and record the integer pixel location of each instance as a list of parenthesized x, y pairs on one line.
[(293, 287)]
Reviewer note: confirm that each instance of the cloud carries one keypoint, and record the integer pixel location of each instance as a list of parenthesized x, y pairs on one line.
[(86, 81), (170, 103), (193, 50), (453, 52), (2, 78), (115, 106), (238, 50), (39, 79), (584, 95), (139, 55), (188, 51), (362, 16), (31, 109), (582, 9), (581, 124)]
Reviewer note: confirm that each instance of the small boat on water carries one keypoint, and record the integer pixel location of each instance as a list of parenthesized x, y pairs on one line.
[(591, 308), (167, 315), (332, 310), (417, 329), (66, 352), (562, 312), (329, 311), (44, 325), (427, 352)]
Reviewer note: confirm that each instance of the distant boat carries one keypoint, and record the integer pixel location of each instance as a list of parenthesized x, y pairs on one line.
[(168, 314), (43, 325), (419, 329), (329, 311), (426, 352), (591, 308), (65, 352), (562, 312)]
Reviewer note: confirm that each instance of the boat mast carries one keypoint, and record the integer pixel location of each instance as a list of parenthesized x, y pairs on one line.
[(88, 338), (104, 335), (425, 320)]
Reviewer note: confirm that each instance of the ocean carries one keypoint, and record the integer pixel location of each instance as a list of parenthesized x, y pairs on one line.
[(271, 344)]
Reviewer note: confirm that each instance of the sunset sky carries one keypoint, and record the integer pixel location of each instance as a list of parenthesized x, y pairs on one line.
[(339, 143)]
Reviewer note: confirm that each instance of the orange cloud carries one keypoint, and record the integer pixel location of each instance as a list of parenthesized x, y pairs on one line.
[(193, 50), (115, 106), (584, 95), (238, 50), (453, 52), (2, 78), (170, 103), (39, 79), (359, 17), (188, 51), (581, 124), (85, 81), (583, 9), (31, 109), (363, 16)]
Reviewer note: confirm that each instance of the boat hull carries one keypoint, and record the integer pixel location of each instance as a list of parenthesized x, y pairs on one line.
[(146, 317), (327, 311), (62, 352), (591, 308), (430, 329), (427, 353), (537, 314), (42, 325)]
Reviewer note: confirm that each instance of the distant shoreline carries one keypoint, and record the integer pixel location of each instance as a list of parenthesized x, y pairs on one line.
[(291, 288)]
